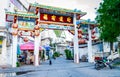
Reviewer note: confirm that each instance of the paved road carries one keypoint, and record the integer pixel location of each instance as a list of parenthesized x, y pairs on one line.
[(63, 68)]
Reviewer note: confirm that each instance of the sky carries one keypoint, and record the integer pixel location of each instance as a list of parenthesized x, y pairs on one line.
[(83, 5)]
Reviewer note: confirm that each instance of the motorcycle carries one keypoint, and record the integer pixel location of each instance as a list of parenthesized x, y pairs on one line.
[(102, 63)]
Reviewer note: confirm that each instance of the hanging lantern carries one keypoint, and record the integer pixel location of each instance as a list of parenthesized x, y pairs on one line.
[(78, 17), (15, 19), (93, 36), (93, 31), (79, 35), (91, 26), (14, 25), (79, 31), (14, 33), (82, 41), (31, 34), (37, 10), (37, 21), (26, 30), (37, 27), (36, 34), (25, 39), (21, 33)]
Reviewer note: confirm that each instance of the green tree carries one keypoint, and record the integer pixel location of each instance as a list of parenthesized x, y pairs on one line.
[(108, 16)]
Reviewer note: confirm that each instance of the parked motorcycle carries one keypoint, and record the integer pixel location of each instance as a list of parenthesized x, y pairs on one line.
[(102, 63)]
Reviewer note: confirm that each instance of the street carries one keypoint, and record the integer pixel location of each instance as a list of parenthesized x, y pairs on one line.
[(62, 68)]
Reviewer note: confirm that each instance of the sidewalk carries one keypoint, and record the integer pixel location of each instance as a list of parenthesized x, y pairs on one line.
[(59, 63)]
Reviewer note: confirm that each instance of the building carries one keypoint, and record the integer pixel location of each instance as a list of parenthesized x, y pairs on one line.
[(5, 36)]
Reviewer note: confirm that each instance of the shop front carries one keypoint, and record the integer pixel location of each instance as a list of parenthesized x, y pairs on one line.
[(26, 54)]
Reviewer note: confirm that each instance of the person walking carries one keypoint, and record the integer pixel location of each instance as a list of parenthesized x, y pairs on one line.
[(50, 57)]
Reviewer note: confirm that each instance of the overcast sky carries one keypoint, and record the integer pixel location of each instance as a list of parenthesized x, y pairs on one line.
[(84, 5)]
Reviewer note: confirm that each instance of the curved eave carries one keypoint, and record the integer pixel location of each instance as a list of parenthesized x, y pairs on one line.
[(30, 15), (91, 24), (84, 22), (56, 9)]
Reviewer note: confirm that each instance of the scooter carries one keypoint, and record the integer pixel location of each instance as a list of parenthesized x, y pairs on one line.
[(99, 64)]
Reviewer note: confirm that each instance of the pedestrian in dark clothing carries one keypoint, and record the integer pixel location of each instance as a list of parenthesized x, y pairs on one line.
[(50, 62), (50, 57)]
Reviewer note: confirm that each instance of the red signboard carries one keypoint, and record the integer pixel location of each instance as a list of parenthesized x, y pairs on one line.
[(56, 18)]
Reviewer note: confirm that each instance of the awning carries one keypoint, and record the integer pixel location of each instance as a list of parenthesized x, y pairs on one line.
[(28, 46)]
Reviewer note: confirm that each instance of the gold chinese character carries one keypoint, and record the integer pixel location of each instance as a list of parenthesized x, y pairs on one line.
[(61, 18), (68, 19), (45, 17), (53, 17)]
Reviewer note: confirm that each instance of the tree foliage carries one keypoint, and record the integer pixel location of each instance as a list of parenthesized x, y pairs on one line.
[(108, 16)]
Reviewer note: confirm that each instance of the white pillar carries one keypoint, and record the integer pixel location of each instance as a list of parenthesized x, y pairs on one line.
[(76, 52), (14, 51), (36, 50), (37, 44), (90, 54), (4, 51)]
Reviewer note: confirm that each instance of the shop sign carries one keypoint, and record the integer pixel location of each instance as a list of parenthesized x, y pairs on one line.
[(56, 18), (26, 25)]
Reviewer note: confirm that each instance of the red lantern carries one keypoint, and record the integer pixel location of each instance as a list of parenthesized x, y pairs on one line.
[(31, 34), (37, 20), (79, 31), (78, 17), (14, 25), (25, 39), (37, 10), (79, 35), (21, 33), (82, 41), (93, 36), (91, 26), (26, 30), (15, 19), (93, 31), (14, 33), (36, 34), (37, 27)]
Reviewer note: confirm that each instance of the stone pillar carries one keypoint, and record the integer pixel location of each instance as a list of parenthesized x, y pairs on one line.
[(36, 51), (90, 54), (76, 51), (14, 51), (37, 40), (14, 41)]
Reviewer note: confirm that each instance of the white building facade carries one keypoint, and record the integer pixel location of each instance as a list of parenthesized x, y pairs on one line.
[(5, 36)]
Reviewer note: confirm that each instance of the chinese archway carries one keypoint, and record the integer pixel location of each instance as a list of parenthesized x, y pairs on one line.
[(43, 17)]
